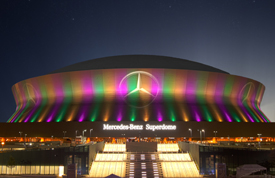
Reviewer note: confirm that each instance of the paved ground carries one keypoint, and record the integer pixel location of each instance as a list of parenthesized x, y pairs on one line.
[(27, 176)]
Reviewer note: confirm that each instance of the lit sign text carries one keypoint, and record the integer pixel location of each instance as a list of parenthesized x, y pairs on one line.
[(139, 127)]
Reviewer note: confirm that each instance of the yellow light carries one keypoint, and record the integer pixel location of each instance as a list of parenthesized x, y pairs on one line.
[(3, 143), (61, 171)]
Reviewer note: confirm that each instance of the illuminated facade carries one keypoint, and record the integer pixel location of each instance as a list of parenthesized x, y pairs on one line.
[(139, 93)]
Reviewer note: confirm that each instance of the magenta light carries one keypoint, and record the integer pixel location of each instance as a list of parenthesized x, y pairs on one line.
[(197, 117), (159, 117), (119, 117), (50, 118), (227, 116), (81, 117)]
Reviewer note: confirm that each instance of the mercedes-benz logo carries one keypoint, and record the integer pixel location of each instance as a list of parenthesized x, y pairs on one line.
[(246, 91), (31, 93), (139, 88)]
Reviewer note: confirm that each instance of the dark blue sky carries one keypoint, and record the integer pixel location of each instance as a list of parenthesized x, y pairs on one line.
[(38, 37)]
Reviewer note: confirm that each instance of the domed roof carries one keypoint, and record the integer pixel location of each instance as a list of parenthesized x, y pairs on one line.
[(138, 61)]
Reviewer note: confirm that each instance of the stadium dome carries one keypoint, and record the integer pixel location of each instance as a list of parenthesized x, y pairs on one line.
[(138, 88), (138, 61)]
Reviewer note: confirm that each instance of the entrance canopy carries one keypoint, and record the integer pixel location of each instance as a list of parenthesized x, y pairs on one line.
[(247, 169)]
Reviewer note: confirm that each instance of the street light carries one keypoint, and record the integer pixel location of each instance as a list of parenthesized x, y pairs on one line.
[(259, 135), (83, 132), (203, 133), (76, 133), (200, 134), (91, 132), (3, 143), (190, 132), (25, 140), (20, 133), (215, 132), (64, 132)]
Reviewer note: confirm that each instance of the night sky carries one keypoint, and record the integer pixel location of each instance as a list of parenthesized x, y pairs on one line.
[(37, 37)]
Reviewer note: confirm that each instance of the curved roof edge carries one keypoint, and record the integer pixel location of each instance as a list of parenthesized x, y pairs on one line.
[(138, 61)]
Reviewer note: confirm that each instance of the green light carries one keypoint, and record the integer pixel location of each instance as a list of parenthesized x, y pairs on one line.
[(93, 119), (133, 118), (67, 100), (251, 112), (95, 113), (23, 112), (60, 116)]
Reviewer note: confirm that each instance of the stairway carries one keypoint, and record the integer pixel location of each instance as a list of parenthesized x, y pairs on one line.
[(143, 165)]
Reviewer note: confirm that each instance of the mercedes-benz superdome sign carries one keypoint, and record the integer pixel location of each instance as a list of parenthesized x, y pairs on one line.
[(139, 127)]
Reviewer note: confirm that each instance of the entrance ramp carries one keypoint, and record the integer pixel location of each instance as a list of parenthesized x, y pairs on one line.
[(168, 147), (104, 169), (114, 148)]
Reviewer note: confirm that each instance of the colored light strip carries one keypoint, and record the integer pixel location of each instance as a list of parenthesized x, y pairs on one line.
[(97, 95)]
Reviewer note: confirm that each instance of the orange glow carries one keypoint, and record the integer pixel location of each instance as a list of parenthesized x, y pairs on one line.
[(3, 143), (2, 139), (185, 118), (71, 117), (107, 115), (214, 140), (88, 140), (113, 140), (146, 115), (42, 140)]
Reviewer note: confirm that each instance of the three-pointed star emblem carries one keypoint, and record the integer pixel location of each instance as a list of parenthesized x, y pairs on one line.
[(145, 88)]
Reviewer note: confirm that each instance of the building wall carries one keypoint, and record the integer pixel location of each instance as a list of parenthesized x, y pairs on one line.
[(141, 146), (44, 129), (47, 160), (93, 149), (99, 95), (193, 149)]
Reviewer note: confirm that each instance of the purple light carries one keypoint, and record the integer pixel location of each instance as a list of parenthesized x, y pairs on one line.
[(82, 117), (197, 117), (227, 116), (50, 118), (159, 116), (244, 110), (87, 86), (119, 117)]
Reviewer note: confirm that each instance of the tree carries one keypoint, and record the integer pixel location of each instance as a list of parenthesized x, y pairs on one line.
[(11, 163), (272, 157)]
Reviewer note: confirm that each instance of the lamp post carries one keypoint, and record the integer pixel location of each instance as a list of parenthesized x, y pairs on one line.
[(215, 132), (20, 133), (259, 135), (52, 137), (190, 130), (64, 132), (203, 134), (83, 132), (76, 133), (200, 135), (91, 132), (3, 143), (25, 140)]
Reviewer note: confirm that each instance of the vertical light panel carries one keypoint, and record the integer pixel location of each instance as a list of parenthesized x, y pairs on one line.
[(146, 95)]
